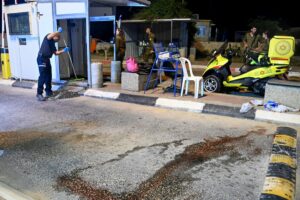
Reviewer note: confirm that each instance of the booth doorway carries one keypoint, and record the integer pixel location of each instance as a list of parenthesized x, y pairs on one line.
[(74, 35), (102, 31)]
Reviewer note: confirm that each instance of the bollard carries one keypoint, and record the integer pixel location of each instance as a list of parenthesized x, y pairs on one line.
[(97, 75), (115, 72), (5, 63)]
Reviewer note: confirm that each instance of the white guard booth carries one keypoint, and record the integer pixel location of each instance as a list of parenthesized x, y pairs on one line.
[(27, 24)]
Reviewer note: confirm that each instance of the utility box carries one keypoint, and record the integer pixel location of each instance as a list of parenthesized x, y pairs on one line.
[(5, 63), (281, 49)]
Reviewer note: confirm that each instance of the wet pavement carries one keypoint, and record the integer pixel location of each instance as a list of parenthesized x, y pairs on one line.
[(85, 148)]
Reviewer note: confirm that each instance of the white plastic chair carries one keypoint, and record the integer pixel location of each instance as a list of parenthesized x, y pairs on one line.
[(189, 76)]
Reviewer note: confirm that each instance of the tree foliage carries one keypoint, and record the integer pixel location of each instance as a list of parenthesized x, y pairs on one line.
[(262, 24), (164, 9)]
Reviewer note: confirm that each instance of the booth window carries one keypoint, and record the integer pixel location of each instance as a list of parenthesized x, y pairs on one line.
[(201, 31), (19, 23)]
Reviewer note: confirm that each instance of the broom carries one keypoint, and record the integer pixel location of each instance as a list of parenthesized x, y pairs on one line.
[(71, 61)]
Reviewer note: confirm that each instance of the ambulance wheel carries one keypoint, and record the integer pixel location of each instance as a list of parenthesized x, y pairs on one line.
[(212, 83)]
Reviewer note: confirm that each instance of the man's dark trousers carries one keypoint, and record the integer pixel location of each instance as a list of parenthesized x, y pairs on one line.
[(45, 75)]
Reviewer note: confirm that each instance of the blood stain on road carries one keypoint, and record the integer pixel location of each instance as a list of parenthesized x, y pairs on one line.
[(193, 155)]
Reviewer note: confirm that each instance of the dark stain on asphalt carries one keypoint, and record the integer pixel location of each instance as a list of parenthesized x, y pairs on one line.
[(64, 94), (259, 130), (12, 139), (164, 145), (166, 182)]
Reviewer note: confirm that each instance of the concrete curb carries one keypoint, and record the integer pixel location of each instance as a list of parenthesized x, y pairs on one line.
[(294, 74), (190, 106), (228, 111), (27, 84), (6, 82), (148, 101), (280, 181), (277, 117), (180, 105), (101, 94), (197, 107), (9, 193)]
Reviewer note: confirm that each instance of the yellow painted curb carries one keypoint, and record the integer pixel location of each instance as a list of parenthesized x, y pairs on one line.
[(285, 140), (279, 187), (284, 159), (282, 165)]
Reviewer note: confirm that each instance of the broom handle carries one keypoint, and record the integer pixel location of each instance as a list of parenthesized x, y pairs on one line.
[(70, 59)]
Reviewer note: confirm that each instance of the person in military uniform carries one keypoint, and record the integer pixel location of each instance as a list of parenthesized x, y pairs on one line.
[(250, 40), (120, 46), (263, 43), (148, 50), (260, 53), (250, 43)]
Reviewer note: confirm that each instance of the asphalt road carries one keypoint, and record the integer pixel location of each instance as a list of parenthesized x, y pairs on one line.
[(86, 148)]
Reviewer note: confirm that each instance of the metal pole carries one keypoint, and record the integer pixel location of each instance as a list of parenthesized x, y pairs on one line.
[(37, 23), (115, 46), (88, 41), (20, 62), (3, 24), (171, 31)]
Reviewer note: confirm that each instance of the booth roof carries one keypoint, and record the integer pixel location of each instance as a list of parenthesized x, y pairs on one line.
[(166, 20), (139, 3)]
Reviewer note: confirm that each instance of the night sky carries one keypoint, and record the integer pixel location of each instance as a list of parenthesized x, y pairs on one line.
[(235, 15), (230, 16)]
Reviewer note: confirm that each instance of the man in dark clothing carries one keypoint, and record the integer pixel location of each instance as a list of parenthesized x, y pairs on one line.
[(43, 60)]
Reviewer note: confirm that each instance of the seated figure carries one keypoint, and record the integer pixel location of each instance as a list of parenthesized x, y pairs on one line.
[(258, 56)]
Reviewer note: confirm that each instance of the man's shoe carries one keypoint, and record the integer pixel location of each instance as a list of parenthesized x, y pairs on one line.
[(40, 97), (48, 95)]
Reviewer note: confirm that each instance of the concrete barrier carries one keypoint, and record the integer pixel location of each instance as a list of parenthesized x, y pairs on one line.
[(136, 82), (283, 92)]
